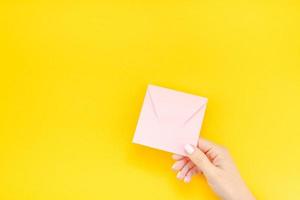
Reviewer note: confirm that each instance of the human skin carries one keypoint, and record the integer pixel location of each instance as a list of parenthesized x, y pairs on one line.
[(217, 166)]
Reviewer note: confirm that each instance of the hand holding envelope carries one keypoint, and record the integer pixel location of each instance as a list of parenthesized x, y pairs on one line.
[(169, 119)]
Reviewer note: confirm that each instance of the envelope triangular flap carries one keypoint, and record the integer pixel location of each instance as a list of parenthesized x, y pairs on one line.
[(174, 106)]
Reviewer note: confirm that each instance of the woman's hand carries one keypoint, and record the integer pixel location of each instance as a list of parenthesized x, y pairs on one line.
[(215, 163)]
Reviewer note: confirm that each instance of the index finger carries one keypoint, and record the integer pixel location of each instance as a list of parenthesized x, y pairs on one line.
[(177, 157), (205, 145)]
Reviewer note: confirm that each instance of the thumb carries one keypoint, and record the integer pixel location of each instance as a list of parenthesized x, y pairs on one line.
[(199, 159)]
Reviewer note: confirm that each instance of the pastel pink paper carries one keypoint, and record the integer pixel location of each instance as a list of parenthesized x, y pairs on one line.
[(169, 119)]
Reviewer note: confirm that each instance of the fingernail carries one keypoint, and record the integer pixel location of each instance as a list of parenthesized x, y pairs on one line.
[(174, 167), (189, 148), (179, 175), (187, 179)]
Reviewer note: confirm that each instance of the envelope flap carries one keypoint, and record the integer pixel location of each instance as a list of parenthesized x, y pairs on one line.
[(174, 106)]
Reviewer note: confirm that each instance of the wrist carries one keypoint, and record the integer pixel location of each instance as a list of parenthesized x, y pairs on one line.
[(244, 195)]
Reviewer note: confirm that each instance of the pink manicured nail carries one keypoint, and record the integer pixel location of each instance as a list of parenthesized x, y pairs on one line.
[(179, 175), (174, 167), (187, 179), (189, 148)]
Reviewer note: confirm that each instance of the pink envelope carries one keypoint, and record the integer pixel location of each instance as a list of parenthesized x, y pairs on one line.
[(169, 119)]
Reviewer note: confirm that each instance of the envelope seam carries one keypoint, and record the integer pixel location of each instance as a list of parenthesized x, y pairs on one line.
[(192, 116), (152, 104)]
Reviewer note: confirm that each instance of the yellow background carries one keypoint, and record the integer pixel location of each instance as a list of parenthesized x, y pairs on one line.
[(73, 78)]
